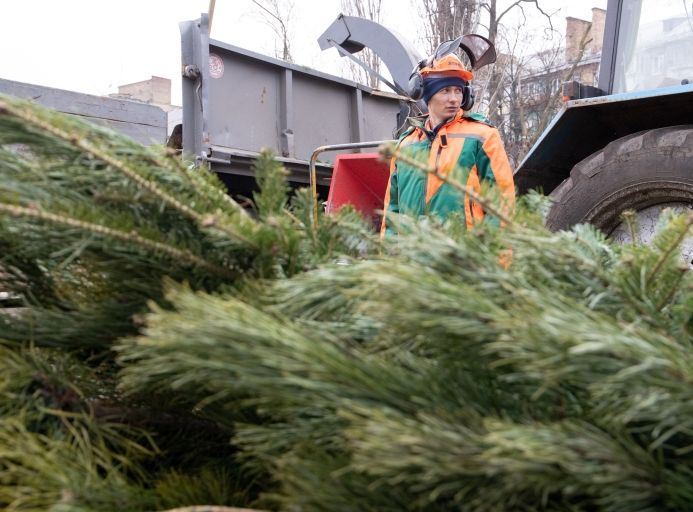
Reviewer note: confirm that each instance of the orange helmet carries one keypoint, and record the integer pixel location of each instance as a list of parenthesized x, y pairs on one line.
[(447, 66)]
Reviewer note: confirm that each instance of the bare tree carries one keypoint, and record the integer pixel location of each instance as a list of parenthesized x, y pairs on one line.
[(527, 88), (531, 91), (447, 19), (278, 14), (371, 10), (496, 14)]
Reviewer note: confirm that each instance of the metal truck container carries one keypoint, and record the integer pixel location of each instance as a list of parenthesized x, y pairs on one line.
[(236, 102)]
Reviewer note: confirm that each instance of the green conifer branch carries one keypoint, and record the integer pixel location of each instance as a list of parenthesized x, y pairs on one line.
[(673, 288), (196, 178), (389, 151), (219, 194), (212, 508), (632, 222), (204, 221), (664, 256), (132, 237), (403, 376)]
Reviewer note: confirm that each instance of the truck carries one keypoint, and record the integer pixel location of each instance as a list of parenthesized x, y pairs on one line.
[(625, 144)]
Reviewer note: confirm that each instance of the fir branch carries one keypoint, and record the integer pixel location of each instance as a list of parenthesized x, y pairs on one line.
[(389, 151), (631, 220), (413, 374), (218, 194), (194, 175), (212, 508), (132, 237), (204, 221), (673, 246), (673, 288)]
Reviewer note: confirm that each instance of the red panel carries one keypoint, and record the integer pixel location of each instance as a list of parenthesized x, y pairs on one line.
[(359, 179)]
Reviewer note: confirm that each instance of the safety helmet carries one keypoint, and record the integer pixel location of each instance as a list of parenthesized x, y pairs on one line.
[(447, 66)]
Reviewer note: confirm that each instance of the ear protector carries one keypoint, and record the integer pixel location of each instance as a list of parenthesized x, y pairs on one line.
[(416, 86), (467, 97)]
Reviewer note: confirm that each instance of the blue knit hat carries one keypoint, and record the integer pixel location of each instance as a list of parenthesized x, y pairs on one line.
[(433, 85)]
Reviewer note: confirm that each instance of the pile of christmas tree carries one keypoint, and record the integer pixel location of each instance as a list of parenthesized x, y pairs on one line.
[(162, 347)]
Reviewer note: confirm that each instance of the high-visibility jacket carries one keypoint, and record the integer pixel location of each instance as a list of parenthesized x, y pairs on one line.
[(466, 148)]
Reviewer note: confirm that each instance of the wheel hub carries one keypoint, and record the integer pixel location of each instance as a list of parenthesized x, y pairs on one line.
[(647, 224)]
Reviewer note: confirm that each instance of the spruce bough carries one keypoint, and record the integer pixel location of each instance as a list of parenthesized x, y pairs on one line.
[(166, 348)]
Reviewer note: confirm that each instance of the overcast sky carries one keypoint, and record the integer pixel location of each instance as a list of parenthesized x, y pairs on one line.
[(93, 46)]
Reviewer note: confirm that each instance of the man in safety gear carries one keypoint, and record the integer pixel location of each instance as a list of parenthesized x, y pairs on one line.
[(462, 146)]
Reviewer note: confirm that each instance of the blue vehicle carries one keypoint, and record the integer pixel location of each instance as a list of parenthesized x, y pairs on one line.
[(628, 143)]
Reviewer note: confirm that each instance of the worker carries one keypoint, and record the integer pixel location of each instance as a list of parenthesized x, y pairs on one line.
[(459, 144)]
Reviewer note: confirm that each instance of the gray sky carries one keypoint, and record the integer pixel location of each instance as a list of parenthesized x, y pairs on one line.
[(93, 46)]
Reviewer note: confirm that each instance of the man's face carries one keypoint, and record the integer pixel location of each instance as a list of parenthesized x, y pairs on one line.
[(445, 103)]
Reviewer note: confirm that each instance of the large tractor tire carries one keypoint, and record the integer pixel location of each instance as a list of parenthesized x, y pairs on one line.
[(645, 171)]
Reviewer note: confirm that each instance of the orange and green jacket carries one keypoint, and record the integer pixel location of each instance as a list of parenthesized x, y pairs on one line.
[(466, 148)]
